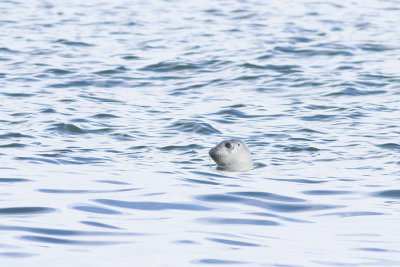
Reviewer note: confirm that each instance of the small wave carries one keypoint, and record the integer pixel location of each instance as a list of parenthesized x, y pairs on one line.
[(301, 39), (218, 261), (182, 148), (130, 57), (112, 182), (319, 117), (234, 113), (185, 89), (379, 250), (25, 210), (326, 192), (353, 214), (78, 84), (58, 71), (208, 174), (73, 43), (95, 209), (101, 225), (14, 135), (284, 218), (66, 161), (322, 50), (67, 128), (376, 47), (8, 50), (285, 69), (395, 193), (64, 241), (235, 221), (13, 145), (120, 69), (308, 130), (37, 160), (197, 181), (170, 66), (79, 191), (104, 116), (101, 99), (17, 254), (266, 195), (64, 232), (252, 66), (280, 207), (48, 110), (18, 95), (298, 148), (249, 77), (151, 205), (302, 181), (356, 92), (13, 180), (392, 146), (232, 242), (194, 127)]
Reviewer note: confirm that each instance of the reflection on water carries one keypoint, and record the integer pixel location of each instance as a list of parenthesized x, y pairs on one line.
[(109, 109)]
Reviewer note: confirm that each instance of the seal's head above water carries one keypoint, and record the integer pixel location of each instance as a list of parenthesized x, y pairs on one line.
[(232, 155)]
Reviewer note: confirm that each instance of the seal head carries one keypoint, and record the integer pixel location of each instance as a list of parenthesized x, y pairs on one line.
[(232, 155)]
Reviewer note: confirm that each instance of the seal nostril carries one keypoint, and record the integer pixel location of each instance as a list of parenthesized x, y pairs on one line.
[(228, 145)]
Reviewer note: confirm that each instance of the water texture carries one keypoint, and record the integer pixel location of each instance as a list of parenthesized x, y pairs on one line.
[(108, 110)]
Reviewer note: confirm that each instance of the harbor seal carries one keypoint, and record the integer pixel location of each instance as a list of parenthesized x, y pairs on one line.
[(232, 155)]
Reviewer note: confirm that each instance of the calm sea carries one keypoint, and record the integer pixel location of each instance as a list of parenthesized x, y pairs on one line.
[(108, 110)]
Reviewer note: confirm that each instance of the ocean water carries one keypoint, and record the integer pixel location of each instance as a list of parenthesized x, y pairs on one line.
[(108, 110)]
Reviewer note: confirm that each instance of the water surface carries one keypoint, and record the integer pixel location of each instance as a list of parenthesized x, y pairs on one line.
[(108, 110)]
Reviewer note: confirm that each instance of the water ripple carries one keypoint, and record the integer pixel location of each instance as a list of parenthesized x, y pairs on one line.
[(193, 127), (101, 225), (284, 218), (67, 128), (218, 261), (63, 232), (266, 195), (353, 214), (18, 95), (17, 254), (13, 180), (235, 221), (392, 146), (356, 92), (25, 210), (151, 205), (395, 193), (170, 66), (95, 209), (109, 109), (280, 207), (58, 71), (326, 192), (73, 43), (232, 242), (79, 191), (14, 135), (63, 241)]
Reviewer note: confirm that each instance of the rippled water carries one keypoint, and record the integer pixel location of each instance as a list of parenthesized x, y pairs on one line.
[(108, 110)]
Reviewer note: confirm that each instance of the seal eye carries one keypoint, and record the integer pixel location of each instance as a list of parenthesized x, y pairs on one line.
[(228, 145), (238, 144)]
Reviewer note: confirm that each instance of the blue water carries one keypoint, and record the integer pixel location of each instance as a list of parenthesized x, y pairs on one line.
[(108, 110)]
